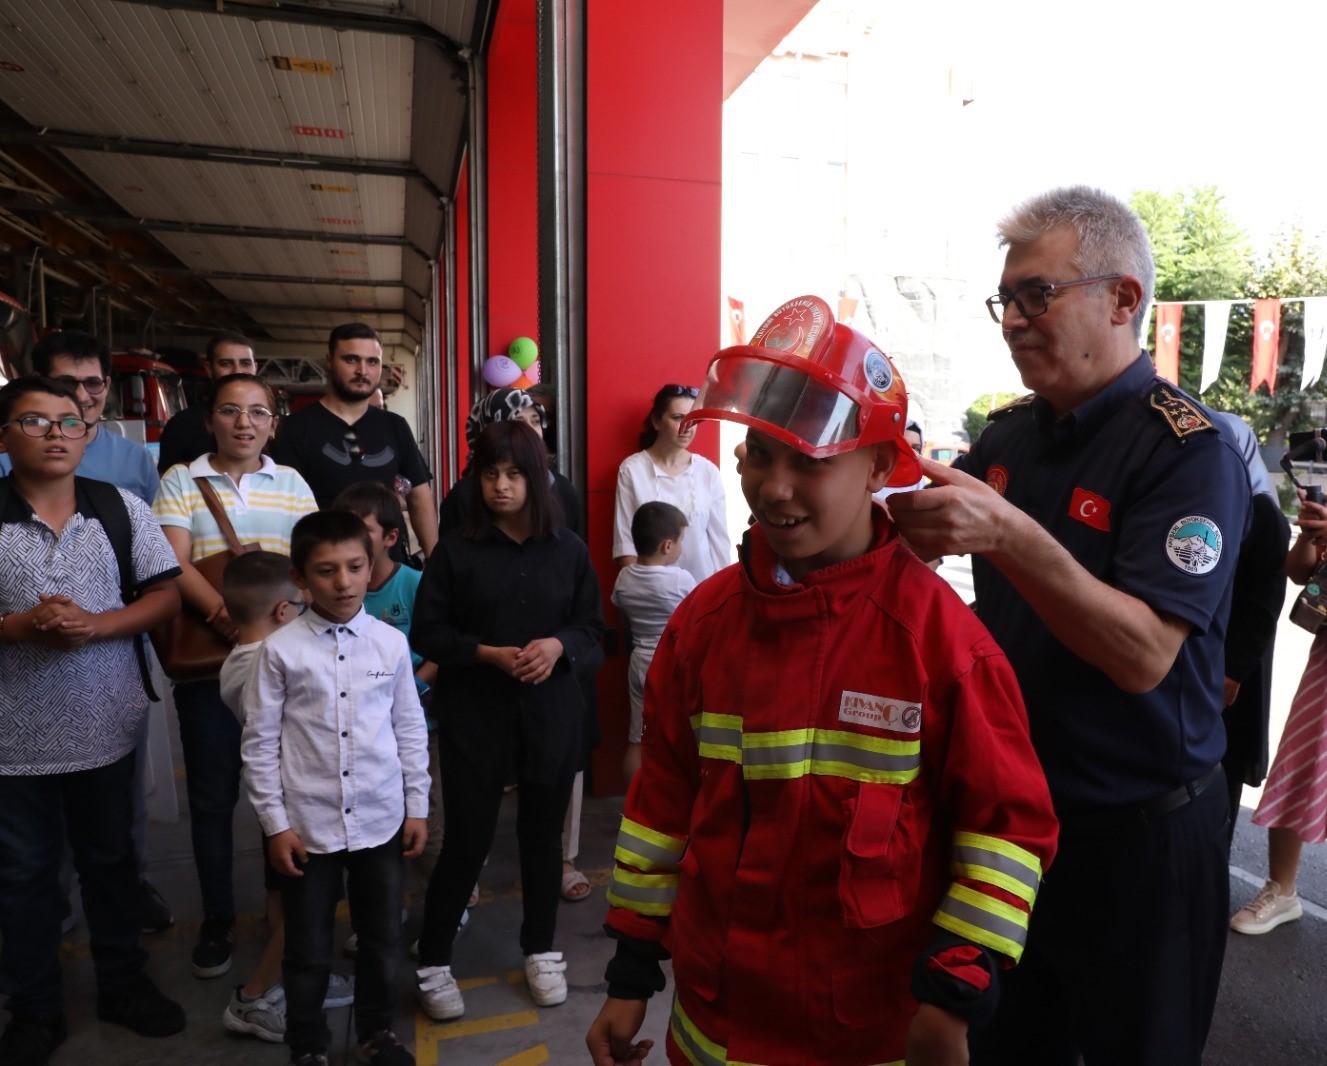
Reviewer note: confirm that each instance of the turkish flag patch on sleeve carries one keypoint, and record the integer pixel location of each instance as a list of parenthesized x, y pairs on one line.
[(1090, 509)]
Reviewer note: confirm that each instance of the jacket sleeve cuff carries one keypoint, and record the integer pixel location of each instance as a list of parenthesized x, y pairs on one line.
[(634, 972), (958, 976)]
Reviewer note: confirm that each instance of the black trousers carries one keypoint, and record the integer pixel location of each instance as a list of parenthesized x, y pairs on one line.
[(373, 879), (1125, 946), (470, 818)]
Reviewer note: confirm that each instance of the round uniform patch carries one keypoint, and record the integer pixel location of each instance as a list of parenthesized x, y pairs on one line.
[(1194, 544), (876, 368), (997, 477)]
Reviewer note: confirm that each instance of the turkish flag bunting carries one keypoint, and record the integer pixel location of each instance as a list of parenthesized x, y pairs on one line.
[(1266, 343), (737, 320), (1168, 341)]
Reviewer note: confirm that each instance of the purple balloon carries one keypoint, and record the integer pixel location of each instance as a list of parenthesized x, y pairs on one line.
[(500, 371)]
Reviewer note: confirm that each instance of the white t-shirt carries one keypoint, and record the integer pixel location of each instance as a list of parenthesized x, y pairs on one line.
[(235, 673), (697, 492), (648, 595)]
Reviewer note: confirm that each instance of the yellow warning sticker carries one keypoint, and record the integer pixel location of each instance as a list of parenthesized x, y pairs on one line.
[(296, 65)]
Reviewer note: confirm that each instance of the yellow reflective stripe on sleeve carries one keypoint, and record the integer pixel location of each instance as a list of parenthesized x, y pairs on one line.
[(646, 849), (989, 922), (718, 736), (702, 1051), (650, 894), (793, 753), (997, 862)]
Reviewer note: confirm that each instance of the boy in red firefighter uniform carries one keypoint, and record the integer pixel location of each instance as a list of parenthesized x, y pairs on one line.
[(839, 815)]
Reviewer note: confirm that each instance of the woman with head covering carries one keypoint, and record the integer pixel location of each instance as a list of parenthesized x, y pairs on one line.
[(507, 405)]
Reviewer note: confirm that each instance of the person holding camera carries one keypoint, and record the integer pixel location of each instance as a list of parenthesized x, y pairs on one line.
[(1293, 807)]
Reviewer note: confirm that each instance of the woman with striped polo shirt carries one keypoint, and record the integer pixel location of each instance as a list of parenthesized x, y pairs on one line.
[(263, 501)]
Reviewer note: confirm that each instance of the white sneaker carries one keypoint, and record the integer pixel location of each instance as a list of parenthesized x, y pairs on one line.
[(546, 975), (1268, 909), (438, 993), (340, 992), (263, 1016)]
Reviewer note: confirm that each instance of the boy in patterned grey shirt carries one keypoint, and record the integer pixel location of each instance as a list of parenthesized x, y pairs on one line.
[(71, 707)]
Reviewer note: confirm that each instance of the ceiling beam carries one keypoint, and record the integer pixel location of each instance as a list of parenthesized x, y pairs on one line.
[(101, 216), (66, 140), (329, 14)]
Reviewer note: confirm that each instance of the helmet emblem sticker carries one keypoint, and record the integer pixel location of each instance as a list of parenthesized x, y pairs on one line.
[(795, 327), (878, 373), (997, 477), (1194, 544)]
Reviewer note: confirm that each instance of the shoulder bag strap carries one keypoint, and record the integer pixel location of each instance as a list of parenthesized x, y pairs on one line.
[(218, 510)]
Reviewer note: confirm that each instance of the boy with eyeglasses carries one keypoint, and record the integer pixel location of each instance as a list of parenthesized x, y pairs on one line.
[(80, 361), (71, 709)]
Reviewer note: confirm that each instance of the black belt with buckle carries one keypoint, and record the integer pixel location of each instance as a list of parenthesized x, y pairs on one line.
[(1123, 818)]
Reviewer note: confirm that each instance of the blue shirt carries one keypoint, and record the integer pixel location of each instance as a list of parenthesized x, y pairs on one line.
[(111, 457), (1148, 496), (394, 603)]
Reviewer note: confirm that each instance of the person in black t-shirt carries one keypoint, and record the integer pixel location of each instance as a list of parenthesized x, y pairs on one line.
[(185, 437), (341, 439)]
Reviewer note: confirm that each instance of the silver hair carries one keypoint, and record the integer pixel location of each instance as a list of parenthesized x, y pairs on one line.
[(1111, 239)]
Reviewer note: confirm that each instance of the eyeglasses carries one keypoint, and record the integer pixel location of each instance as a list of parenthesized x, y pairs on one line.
[(36, 426), (258, 416), (352, 446), (681, 390), (1033, 300), (94, 386)]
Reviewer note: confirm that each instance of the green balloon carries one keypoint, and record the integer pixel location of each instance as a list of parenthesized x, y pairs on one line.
[(523, 352)]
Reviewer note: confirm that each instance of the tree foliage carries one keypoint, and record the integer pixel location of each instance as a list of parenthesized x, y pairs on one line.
[(1202, 254), (977, 414)]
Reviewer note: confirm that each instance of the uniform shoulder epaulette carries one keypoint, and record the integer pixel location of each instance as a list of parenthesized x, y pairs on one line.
[(1183, 415), (1009, 408)]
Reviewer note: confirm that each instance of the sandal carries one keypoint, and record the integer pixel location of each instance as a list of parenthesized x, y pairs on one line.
[(575, 886)]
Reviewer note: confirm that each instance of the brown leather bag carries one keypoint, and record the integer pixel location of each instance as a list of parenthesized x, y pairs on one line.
[(189, 648)]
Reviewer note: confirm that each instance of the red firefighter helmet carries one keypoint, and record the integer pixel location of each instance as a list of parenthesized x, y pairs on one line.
[(814, 384)]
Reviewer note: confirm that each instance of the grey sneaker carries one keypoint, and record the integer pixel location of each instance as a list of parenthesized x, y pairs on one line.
[(340, 992), (263, 1016), (1268, 909)]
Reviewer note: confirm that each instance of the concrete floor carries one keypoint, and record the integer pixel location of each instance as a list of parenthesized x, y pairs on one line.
[(501, 1024)]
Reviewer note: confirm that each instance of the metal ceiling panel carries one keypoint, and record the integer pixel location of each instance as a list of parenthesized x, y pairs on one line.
[(438, 118), (423, 218), (455, 18), (326, 320), (189, 191), (415, 273), (336, 263), (298, 295)]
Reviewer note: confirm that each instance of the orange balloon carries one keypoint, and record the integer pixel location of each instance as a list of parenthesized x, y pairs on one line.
[(521, 382)]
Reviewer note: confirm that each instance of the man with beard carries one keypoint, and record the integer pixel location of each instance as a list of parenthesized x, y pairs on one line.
[(343, 439)]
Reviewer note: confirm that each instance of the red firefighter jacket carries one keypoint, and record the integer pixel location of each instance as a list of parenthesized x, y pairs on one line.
[(830, 770)]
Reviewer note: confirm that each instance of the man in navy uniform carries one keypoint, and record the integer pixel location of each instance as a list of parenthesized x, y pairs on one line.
[(1104, 513)]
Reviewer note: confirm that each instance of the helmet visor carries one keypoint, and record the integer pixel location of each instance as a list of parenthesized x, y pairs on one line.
[(788, 401)]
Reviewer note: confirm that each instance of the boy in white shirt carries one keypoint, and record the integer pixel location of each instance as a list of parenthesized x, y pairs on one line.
[(647, 592), (336, 765)]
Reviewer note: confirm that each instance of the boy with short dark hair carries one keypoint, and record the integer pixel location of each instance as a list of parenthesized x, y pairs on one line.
[(336, 767), (839, 825), (391, 599), (67, 745), (647, 592)]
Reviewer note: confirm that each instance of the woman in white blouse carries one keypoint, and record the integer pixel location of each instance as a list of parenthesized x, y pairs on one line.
[(665, 470)]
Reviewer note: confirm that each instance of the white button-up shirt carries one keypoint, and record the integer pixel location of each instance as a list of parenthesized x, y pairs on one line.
[(335, 745)]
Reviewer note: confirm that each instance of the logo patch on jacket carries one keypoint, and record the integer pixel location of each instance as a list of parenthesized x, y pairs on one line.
[(1194, 544), (882, 712), (1090, 509)]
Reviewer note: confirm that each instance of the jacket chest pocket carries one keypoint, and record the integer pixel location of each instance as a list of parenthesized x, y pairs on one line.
[(880, 866)]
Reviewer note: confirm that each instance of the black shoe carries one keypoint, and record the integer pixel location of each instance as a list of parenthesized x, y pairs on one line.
[(211, 956), (153, 914), (383, 1049), (139, 1006), (29, 1039)]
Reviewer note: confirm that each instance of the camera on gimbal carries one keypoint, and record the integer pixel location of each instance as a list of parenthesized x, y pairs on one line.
[(1308, 446)]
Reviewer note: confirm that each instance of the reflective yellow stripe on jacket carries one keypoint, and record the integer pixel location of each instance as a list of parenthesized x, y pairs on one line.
[(997, 862), (791, 753), (702, 1051), (647, 849), (990, 922)]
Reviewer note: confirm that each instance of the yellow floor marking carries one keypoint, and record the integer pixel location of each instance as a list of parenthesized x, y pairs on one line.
[(533, 1057), (475, 982), (428, 1033)]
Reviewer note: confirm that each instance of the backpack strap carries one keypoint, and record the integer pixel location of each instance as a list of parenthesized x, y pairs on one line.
[(114, 517)]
